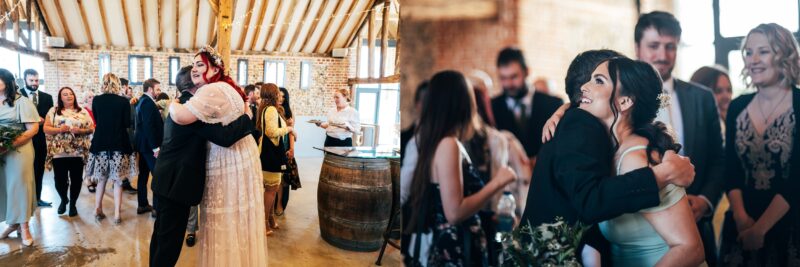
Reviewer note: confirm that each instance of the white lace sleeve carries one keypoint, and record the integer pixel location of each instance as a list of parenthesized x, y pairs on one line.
[(216, 103)]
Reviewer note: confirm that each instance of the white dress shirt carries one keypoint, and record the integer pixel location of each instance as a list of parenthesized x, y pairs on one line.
[(671, 115), (347, 116)]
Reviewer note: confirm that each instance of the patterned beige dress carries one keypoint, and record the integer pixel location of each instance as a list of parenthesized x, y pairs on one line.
[(232, 224)]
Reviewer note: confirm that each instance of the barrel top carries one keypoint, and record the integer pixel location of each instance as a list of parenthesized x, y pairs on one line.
[(384, 152)]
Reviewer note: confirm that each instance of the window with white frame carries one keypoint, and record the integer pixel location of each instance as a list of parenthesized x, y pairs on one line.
[(105, 64), (275, 72), (379, 104), (241, 72), (305, 75), (174, 67), (140, 68)]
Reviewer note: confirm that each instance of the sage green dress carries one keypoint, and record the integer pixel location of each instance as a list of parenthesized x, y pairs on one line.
[(17, 189), (634, 241)]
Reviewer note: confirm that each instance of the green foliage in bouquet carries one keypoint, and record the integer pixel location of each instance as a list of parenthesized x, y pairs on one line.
[(7, 137), (548, 245)]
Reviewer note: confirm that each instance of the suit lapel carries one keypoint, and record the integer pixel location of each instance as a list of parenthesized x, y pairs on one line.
[(688, 115)]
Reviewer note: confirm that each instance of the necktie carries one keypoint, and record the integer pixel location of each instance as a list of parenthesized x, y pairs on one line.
[(35, 99), (522, 121)]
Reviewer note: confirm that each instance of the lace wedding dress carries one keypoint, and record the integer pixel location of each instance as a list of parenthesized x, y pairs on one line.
[(232, 225)]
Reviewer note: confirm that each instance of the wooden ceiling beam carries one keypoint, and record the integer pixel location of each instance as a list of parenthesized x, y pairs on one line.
[(309, 19), (328, 26), (287, 42), (127, 24), (105, 23), (67, 35), (143, 8), (259, 21), (28, 16), (43, 17), (272, 24), (193, 45), (313, 28), (177, 23), (285, 25), (371, 43), (246, 27), (359, 28), (160, 26), (347, 15), (85, 22)]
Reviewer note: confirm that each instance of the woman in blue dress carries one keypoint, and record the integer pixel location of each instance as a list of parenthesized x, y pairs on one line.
[(17, 196), (626, 95)]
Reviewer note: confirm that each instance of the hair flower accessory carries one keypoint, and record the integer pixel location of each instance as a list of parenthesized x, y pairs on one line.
[(663, 99), (214, 54)]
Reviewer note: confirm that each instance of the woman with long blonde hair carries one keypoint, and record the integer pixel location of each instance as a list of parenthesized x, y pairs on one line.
[(111, 156)]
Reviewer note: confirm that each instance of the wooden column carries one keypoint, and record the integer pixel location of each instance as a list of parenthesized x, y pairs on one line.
[(385, 36), (224, 17), (371, 44)]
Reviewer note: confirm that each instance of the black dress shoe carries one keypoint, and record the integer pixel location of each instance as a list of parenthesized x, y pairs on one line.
[(190, 240), (126, 186), (44, 204), (73, 212), (62, 207), (144, 209), (92, 188)]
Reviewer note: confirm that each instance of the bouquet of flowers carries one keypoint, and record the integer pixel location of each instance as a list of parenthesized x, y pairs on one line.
[(7, 137), (548, 245)]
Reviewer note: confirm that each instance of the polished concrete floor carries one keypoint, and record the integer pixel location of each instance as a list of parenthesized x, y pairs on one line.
[(80, 241)]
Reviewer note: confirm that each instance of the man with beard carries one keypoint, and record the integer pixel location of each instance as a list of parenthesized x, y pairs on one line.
[(692, 114), (521, 110), (43, 102)]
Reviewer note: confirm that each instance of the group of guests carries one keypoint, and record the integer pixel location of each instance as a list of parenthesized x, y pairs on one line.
[(637, 152)]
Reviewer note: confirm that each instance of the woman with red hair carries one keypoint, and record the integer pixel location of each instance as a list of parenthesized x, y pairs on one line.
[(232, 208)]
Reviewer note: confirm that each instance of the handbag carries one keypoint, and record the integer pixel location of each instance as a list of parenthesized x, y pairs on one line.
[(291, 176), (273, 157)]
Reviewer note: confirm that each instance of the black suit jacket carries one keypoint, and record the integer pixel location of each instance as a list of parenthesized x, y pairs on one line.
[(702, 139), (572, 178), (543, 107), (45, 103), (149, 125), (181, 164)]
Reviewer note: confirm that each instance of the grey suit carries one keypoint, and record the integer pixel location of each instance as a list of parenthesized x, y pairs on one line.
[(703, 145)]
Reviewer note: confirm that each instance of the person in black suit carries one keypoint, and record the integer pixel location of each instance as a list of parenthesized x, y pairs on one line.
[(43, 102), (692, 114), (180, 182), (520, 110), (149, 134), (253, 93)]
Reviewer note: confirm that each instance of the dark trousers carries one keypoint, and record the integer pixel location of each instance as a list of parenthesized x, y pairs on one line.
[(330, 141), (147, 162), (40, 154), (68, 175), (709, 243), (168, 231)]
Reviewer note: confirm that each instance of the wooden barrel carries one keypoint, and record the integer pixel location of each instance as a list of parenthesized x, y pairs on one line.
[(354, 201)]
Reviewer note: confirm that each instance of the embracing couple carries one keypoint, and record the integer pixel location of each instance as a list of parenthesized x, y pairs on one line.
[(609, 163), (208, 158)]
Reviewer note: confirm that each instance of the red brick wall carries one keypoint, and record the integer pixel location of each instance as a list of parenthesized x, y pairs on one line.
[(79, 69)]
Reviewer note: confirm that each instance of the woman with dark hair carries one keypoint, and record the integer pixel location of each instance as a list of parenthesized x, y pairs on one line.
[(446, 192), (283, 193), (272, 124), (716, 78), (626, 95), (762, 143), (18, 196), (111, 155), (68, 128), (233, 224)]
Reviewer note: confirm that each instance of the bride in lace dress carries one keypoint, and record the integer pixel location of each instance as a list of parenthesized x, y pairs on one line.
[(232, 227)]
